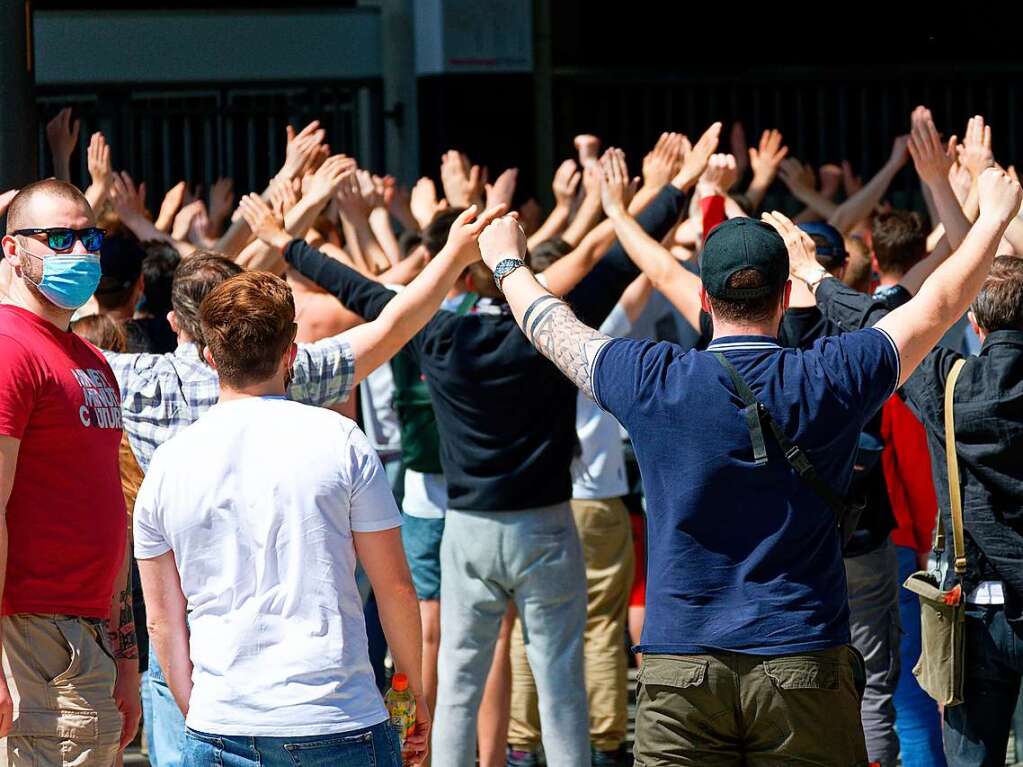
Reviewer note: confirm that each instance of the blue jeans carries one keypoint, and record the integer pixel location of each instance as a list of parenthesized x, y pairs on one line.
[(164, 724), (917, 721), (375, 746), (977, 730)]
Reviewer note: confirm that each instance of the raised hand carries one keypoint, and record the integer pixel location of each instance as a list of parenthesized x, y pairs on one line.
[(766, 158), (900, 151), (502, 238), (588, 147), (264, 222), (802, 252), (463, 239), (282, 197), (932, 159), (530, 216), (975, 152), (695, 162), (503, 189), (99, 161), (169, 207), (998, 195), (565, 183), (5, 199), (850, 181), (462, 182), (128, 201), (663, 161), (302, 149), (221, 202), (183, 219), (614, 182), (62, 136), (354, 207), (371, 193), (797, 176), (424, 203), (740, 148), (720, 175), (325, 181), (831, 179)]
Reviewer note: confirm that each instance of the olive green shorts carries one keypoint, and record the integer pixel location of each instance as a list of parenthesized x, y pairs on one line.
[(734, 709)]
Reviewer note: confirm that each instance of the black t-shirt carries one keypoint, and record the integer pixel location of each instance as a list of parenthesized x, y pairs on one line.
[(506, 414)]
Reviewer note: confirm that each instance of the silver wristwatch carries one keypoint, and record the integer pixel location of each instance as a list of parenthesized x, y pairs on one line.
[(504, 268)]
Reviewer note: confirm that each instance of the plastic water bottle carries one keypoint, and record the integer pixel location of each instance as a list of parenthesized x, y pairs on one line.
[(401, 707)]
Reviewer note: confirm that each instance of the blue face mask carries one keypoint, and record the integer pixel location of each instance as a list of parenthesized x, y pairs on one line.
[(68, 281)]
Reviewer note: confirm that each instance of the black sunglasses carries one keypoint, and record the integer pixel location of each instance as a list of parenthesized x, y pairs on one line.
[(60, 239)]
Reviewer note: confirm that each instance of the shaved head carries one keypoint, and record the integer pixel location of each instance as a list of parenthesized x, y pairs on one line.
[(30, 207)]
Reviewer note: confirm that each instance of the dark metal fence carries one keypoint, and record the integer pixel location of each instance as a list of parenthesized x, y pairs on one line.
[(162, 136), (825, 115)]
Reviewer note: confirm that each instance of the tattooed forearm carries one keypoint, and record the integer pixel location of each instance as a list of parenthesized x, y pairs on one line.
[(556, 332), (123, 636)]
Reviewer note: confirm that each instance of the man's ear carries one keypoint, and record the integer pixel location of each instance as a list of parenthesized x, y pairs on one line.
[(705, 301), (981, 333), (786, 296), (172, 320), (208, 356), (10, 251)]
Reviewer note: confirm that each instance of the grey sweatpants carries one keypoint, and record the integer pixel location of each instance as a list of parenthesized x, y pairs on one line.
[(534, 558), (876, 631)]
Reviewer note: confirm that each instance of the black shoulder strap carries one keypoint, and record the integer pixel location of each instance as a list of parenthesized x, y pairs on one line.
[(756, 415)]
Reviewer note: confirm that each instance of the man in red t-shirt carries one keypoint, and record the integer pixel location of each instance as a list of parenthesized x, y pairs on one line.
[(69, 692)]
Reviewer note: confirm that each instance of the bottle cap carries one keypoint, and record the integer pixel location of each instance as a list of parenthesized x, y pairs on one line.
[(399, 682)]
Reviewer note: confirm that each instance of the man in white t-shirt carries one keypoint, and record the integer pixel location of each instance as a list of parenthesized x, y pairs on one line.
[(247, 529)]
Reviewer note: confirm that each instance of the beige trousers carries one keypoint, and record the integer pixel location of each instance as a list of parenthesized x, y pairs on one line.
[(606, 536), (61, 675)]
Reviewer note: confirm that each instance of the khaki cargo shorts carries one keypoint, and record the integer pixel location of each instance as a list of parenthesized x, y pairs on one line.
[(61, 674)]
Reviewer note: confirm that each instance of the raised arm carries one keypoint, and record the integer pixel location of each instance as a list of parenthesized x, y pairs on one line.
[(261, 254), (100, 171), (547, 321), (919, 324), (376, 342), (859, 205), (680, 286), (566, 181), (62, 136), (765, 161)]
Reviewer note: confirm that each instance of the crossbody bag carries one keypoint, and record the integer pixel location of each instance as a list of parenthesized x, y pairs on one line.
[(940, 670)]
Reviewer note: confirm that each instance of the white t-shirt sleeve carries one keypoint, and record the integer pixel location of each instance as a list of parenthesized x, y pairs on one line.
[(617, 323), (147, 532), (372, 504)]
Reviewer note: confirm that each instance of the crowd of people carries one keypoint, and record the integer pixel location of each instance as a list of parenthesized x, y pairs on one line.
[(257, 457)]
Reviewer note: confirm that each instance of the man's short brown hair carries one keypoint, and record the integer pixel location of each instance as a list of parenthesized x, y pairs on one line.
[(195, 277), (900, 241), (747, 310), (17, 212), (248, 323), (999, 304)]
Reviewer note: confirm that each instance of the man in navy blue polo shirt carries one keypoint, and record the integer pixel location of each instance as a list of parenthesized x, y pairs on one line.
[(746, 641)]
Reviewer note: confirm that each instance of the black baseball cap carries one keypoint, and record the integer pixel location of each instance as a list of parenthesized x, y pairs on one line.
[(121, 263), (831, 252), (738, 244)]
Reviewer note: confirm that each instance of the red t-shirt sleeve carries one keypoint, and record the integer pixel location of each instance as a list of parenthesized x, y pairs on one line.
[(18, 386), (713, 210)]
